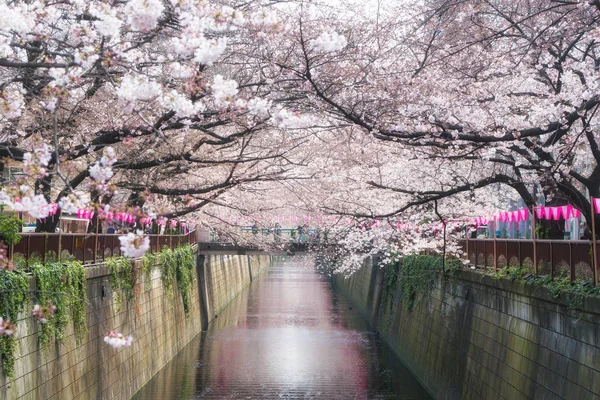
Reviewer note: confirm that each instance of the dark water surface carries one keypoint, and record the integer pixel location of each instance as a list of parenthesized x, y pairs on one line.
[(288, 337)]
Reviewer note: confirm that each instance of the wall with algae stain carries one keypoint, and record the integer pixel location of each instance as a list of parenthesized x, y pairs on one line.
[(476, 337), (157, 323)]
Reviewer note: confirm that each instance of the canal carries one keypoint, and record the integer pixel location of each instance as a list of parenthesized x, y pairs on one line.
[(289, 336)]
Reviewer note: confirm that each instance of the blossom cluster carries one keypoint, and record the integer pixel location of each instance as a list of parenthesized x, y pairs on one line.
[(6, 327), (37, 161), (101, 171), (134, 245), (117, 340), (224, 90), (43, 313), (330, 41), (284, 118)]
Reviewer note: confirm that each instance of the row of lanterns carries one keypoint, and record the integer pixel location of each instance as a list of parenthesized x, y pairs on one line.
[(127, 218)]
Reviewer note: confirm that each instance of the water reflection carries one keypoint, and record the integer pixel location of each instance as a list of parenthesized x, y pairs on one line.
[(290, 337)]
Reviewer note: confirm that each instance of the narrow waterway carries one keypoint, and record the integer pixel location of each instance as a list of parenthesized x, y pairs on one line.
[(289, 336)]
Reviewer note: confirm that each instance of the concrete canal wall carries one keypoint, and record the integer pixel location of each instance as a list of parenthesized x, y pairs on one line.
[(480, 338), (93, 370)]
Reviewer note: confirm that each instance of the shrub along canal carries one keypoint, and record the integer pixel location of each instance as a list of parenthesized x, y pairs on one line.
[(288, 336)]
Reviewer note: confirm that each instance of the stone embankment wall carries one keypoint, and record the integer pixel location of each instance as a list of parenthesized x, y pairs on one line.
[(93, 370), (481, 338)]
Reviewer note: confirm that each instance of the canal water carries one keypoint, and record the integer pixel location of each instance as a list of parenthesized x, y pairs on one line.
[(287, 337)]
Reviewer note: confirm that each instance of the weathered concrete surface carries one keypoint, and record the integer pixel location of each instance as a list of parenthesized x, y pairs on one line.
[(158, 325), (480, 338)]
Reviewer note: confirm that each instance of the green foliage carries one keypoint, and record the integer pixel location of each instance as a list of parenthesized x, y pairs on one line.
[(417, 277), (14, 299), (178, 266), (122, 279), (560, 287), (149, 261), (63, 284), (168, 270), (512, 272), (391, 282), (10, 226), (542, 232), (185, 275)]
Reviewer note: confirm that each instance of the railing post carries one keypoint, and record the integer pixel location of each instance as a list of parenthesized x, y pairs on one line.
[(519, 255), (535, 266), (571, 266), (96, 244), (476, 253), (495, 250), (551, 261), (467, 244), (594, 249), (59, 242), (45, 248)]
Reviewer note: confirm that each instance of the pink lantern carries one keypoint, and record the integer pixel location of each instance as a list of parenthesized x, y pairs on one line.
[(555, 213), (173, 223), (524, 213), (547, 212), (597, 205), (511, 216), (539, 212), (566, 211), (575, 213)]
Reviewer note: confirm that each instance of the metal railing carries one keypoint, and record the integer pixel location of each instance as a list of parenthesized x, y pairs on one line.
[(550, 257), (278, 235), (82, 245)]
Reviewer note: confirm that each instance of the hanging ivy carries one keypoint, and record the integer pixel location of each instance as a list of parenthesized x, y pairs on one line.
[(185, 275), (63, 284), (417, 277), (14, 299), (122, 279), (168, 270), (149, 261)]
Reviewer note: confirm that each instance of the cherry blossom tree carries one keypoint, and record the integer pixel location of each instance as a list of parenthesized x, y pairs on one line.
[(482, 93), (127, 100)]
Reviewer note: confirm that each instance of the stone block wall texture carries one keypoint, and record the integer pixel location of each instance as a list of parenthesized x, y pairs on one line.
[(481, 338), (93, 370)]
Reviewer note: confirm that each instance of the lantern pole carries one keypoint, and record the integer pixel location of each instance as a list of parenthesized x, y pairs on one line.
[(495, 249), (594, 249), (535, 266)]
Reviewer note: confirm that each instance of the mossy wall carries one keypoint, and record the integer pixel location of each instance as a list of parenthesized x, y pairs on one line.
[(158, 325), (480, 338)]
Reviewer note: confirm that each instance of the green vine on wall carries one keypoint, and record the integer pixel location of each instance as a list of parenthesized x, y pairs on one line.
[(417, 277), (574, 294), (185, 275), (123, 279), (62, 283), (149, 261), (14, 299), (176, 267), (168, 270)]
